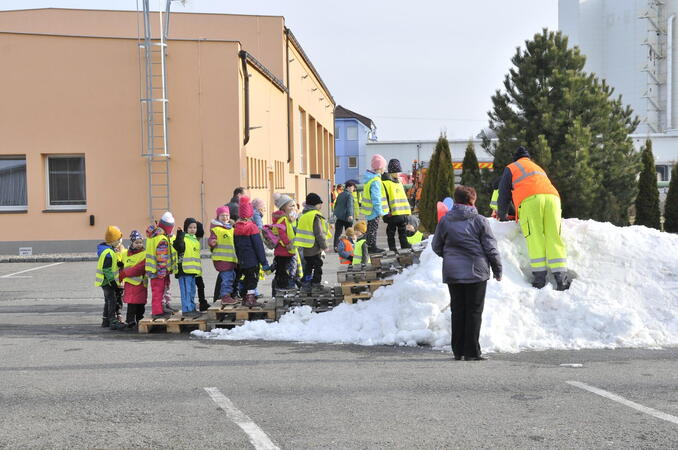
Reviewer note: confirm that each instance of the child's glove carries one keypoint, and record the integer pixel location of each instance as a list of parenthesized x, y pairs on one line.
[(266, 268)]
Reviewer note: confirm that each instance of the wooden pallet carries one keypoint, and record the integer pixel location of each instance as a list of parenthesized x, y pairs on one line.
[(355, 298), (175, 324), (211, 325), (235, 313), (351, 274), (350, 288)]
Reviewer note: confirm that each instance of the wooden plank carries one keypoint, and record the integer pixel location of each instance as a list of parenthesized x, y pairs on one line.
[(351, 299)]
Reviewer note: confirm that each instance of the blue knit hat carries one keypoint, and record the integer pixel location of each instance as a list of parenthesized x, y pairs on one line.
[(135, 235)]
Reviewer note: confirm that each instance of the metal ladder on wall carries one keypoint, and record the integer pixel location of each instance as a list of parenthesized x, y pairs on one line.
[(153, 58)]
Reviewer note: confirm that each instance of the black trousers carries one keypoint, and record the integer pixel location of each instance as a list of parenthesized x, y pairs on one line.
[(313, 271), (111, 298), (135, 312), (200, 284), (217, 289), (466, 303), (338, 228), (282, 278), (372, 228), (251, 278), (393, 224)]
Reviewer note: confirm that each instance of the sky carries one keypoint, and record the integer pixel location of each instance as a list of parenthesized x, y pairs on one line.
[(416, 68)]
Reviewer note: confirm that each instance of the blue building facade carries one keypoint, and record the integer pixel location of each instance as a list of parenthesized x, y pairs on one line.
[(352, 132)]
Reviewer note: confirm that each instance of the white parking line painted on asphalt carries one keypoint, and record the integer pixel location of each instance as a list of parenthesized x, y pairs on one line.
[(625, 402), (258, 438), (29, 270)]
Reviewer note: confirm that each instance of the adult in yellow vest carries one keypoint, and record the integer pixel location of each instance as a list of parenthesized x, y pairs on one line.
[(538, 211), (374, 204), (189, 265), (107, 277), (398, 206), (311, 236)]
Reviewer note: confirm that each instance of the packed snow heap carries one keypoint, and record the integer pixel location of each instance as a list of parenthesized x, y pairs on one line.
[(625, 294)]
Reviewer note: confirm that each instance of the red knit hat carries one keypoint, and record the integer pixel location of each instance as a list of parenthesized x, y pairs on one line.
[(245, 211)]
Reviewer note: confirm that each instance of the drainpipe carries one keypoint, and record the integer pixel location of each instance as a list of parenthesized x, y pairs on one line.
[(289, 119), (243, 59), (669, 73)]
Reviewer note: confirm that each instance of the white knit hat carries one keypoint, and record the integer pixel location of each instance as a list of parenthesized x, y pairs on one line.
[(281, 200), (167, 219)]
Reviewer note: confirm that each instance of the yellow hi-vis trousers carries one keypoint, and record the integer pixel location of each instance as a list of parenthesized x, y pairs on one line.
[(539, 217)]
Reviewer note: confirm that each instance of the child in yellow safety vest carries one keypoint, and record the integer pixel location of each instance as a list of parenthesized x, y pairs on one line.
[(361, 254), (133, 275), (345, 246), (223, 255), (161, 263), (107, 277), (189, 267), (311, 236)]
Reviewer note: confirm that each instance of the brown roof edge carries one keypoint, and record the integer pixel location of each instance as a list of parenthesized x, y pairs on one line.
[(24, 33), (134, 11), (343, 113), (301, 51), (263, 70)]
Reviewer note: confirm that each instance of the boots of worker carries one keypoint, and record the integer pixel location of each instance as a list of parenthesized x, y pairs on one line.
[(539, 280), (251, 300), (563, 281)]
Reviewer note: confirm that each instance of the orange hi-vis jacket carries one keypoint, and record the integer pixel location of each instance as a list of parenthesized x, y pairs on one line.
[(348, 247), (528, 179)]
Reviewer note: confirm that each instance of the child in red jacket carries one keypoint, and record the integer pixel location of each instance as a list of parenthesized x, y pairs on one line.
[(134, 278), (249, 248)]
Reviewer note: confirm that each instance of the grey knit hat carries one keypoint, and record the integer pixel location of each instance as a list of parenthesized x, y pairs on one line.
[(281, 200)]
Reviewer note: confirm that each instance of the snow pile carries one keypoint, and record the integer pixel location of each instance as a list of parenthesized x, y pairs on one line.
[(625, 295)]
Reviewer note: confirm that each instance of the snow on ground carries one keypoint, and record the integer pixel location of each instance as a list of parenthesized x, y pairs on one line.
[(625, 294)]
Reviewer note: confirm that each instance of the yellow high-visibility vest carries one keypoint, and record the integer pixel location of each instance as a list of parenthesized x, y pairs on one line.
[(290, 231), (131, 261), (356, 205), (415, 238), (190, 263), (358, 257), (397, 199), (304, 237), (225, 249), (493, 201), (99, 280), (366, 206), (151, 260)]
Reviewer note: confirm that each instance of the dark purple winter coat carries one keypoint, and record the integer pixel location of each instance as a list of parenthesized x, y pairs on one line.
[(467, 245)]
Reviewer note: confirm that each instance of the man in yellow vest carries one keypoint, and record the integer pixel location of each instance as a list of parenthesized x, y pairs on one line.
[(107, 277), (537, 205), (398, 207), (311, 236), (374, 203)]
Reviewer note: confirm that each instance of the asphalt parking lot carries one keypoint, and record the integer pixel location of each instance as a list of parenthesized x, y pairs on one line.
[(66, 382)]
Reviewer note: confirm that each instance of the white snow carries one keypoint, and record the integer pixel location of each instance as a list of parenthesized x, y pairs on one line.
[(625, 295)]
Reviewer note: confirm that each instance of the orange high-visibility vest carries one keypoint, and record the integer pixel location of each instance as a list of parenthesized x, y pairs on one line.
[(528, 179), (348, 247)]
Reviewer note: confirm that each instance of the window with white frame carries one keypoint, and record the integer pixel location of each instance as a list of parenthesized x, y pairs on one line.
[(352, 133), (66, 182), (337, 133), (337, 162), (352, 162), (13, 183)]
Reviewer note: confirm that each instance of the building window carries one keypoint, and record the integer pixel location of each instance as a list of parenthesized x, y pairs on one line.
[(663, 173), (13, 183), (302, 141), (352, 162), (337, 133), (352, 133), (337, 162), (66, 182)]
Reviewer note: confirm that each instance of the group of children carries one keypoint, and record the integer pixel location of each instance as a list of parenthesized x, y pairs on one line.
[(299, 243)]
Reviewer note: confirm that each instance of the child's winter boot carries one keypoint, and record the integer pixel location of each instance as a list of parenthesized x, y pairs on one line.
[(117, 325), (228, 300), (251, 301)]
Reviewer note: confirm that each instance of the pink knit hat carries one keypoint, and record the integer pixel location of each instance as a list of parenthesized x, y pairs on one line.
[(223, 209), (257, 203), (378, 162), (245, 211)]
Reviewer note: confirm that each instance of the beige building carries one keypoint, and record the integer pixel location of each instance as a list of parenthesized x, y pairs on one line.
[(245, 107)]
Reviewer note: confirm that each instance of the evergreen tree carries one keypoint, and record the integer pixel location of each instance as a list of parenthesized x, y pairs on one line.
[(671, 203), (439, 183), (647, 202), (470, 176), (572, 127)]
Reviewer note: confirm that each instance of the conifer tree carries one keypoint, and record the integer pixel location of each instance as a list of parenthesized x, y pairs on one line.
[(439, 183), (572, 127), (647, 201), (671, 203), (470, 176)]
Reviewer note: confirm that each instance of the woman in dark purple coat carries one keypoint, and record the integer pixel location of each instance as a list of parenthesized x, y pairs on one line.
[(464, 240)]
